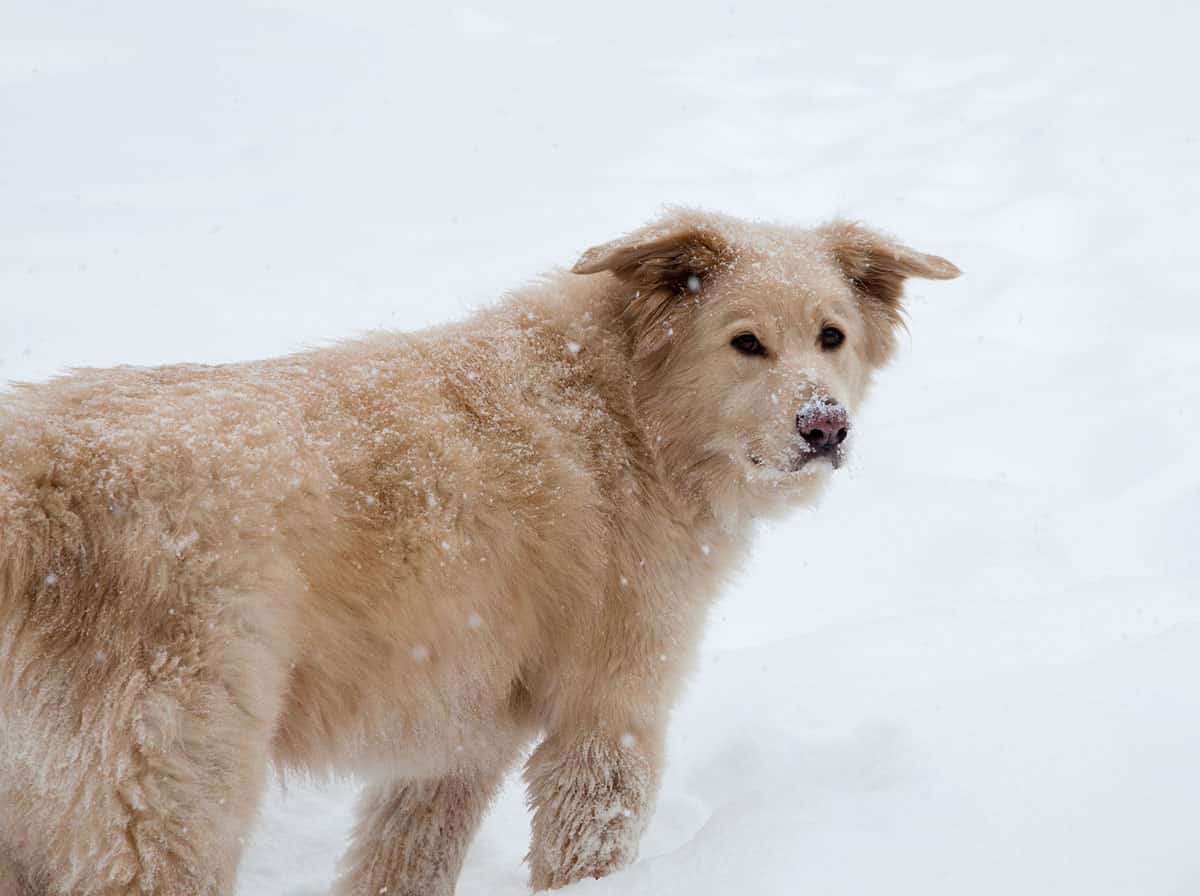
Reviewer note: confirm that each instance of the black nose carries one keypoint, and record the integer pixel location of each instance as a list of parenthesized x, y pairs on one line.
[(823, 423)]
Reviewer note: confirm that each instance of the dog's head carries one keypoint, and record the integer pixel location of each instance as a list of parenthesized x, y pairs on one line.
[(753, 345)]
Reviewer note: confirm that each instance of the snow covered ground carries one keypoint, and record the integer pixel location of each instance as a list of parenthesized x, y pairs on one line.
[(976, 669)]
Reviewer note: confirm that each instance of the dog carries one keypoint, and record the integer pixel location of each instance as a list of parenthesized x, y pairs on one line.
[(411, 556)]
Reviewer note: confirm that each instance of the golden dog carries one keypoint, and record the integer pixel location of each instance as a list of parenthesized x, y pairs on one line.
[(408, 556)]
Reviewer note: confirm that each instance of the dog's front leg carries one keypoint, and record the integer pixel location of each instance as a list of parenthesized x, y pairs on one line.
[(592, 793), (411, 836)]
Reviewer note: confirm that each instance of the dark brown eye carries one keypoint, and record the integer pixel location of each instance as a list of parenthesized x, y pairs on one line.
[(831, 337), (748, 344)]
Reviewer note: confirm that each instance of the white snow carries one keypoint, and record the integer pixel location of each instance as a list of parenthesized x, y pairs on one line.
[(976, 669), (419, 653)]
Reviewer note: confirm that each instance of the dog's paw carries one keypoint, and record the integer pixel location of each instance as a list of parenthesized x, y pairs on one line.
[(594, 847), (592, 798)]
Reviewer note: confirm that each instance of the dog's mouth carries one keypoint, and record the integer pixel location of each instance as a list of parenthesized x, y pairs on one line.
[(798, 459)]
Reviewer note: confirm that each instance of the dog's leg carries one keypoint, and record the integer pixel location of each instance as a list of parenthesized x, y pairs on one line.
[(411, 836), (592, 792), (12, 882), (176, 813), (161, 818), (152, 793)]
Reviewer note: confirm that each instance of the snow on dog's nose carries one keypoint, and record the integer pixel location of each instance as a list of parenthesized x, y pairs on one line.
[(823, 424)]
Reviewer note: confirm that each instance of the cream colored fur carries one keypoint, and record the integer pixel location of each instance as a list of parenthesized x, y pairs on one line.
[(407, 556)]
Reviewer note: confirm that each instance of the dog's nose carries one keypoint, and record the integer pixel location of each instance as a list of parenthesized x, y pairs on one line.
[(823, 423)]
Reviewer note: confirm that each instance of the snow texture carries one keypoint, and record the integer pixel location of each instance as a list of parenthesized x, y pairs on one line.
[(976, 669)]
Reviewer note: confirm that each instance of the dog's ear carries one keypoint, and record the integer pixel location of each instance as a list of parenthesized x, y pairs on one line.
[(677, 257), (877, 267)]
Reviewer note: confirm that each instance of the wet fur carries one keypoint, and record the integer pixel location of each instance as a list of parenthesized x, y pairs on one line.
[(407, 556)]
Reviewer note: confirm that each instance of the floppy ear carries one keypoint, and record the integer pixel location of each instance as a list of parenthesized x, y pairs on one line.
[(877, 267), (658, 259)]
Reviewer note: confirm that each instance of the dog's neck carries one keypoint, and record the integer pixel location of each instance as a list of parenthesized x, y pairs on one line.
[(705, 492)]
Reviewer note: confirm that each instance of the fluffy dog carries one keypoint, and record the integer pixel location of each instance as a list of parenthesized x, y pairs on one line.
[(410, 555)]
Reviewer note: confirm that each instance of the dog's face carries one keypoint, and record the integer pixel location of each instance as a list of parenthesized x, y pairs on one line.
[(754, 345)]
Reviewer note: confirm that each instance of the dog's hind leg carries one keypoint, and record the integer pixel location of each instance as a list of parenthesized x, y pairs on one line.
[(142, 777), (411, 836), (12, 881)]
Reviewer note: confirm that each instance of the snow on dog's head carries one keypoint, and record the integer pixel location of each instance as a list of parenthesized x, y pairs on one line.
[(754, 344)]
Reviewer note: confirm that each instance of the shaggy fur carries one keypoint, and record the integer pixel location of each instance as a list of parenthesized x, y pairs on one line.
[(407, 557)]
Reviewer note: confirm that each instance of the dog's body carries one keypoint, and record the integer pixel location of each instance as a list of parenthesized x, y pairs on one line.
[(407, 556)]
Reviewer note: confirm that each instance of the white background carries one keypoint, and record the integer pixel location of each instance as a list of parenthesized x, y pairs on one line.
[(976, 669)]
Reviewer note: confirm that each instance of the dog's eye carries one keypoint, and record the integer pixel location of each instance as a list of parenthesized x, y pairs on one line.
[(748, 344), (831, 337)]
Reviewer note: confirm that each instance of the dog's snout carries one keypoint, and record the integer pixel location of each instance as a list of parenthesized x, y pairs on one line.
[(823, 423)]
